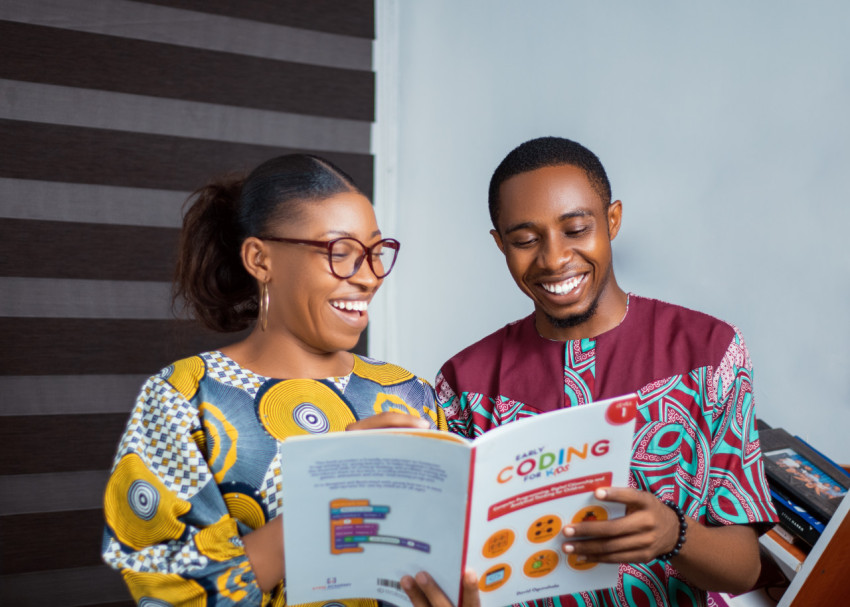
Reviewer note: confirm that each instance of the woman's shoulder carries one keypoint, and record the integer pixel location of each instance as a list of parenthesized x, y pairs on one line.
[(384, 373), (183, 375)]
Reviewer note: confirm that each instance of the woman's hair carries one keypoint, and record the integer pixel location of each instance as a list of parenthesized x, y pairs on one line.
[(210, 280)]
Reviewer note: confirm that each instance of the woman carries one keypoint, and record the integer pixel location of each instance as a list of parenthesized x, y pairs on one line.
[(193, 506)]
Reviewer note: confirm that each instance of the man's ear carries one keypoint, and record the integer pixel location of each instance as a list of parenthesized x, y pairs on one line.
[(256, 259), (498, 238), (615, 217)]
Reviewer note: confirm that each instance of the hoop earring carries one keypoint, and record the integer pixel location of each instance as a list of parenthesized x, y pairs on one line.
[(263, 316)]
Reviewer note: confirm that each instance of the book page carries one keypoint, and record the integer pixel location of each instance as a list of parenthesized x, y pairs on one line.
[(531, 478), (363, 509)]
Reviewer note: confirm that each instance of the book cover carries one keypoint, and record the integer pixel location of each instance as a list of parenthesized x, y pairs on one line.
[(801, 473), (363, 509)]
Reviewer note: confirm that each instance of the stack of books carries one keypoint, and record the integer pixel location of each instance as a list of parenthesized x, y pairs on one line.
[(806, 486)]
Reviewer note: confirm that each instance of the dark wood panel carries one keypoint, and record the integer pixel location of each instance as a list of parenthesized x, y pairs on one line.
[(58, 249), (347, 17), (72, 346), (51, 152), (75, 346), (36, 53), (80, 586), (44, 541), (60, 443)]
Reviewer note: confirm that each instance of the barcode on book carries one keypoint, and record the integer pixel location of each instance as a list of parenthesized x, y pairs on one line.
[(389, 583)]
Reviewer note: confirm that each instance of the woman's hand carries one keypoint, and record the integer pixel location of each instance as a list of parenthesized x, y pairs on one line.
[(390, 419), (423, 591)]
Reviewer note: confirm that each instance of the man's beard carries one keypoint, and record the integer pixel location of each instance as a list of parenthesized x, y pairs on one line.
[(574, 320), (578, 319)]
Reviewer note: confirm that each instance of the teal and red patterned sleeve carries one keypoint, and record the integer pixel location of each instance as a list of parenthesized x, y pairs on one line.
[(738, 492), (457, 411), (168, 530)]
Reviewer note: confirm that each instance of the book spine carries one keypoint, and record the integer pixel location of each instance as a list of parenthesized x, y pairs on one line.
[(469, 490), (793, 522), (789, 502)]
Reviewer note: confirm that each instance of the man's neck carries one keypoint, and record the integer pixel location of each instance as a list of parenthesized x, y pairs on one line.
[(610, 311)]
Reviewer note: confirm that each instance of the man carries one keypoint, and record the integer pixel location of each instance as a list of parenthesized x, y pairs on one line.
[(698, 497)]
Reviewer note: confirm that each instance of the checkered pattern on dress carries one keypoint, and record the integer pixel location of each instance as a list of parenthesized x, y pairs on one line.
[(271, 489), (161, 434), (341, 383), (225, 370), (169, 557)]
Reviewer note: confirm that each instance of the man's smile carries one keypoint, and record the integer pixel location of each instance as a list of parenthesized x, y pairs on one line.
[(563, 287)]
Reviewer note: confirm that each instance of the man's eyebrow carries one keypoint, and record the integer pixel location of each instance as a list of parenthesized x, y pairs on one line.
[(572, 214), (519, 226), (530, 224)]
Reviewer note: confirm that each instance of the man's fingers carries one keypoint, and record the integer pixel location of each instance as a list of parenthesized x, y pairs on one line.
[(623, 495)]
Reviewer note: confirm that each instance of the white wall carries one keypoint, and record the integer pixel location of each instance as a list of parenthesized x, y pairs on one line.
[(725, 131)]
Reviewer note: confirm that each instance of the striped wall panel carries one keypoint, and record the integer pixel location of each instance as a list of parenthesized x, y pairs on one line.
[(111, 112)]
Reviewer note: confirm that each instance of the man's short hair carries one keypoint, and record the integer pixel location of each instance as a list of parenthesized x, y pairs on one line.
[(543, 152)]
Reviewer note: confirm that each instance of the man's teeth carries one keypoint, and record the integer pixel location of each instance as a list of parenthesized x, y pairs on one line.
[(359, 306), (560, 288)]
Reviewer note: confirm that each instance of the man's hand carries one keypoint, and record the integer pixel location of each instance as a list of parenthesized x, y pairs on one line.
[(390, 419), (648, 529), (423, 591)]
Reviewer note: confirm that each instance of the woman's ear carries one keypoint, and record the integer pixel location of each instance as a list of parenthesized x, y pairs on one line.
[(256, 259)]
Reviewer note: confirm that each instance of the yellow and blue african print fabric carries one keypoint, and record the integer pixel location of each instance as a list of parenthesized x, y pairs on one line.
[(198, 467)]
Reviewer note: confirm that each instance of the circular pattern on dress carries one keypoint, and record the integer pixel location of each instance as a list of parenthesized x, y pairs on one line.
[(296, 407), (310, 418), (245, 509), (385, 374), (186, 374), (147, 601), (143, 499)]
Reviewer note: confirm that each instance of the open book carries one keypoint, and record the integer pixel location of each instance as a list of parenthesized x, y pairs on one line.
[(363, 509)]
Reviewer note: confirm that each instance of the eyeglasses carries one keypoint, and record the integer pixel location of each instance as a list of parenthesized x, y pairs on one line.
[(346, 255)]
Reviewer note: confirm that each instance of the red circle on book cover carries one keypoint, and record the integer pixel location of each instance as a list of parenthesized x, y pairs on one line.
[(621, 411)]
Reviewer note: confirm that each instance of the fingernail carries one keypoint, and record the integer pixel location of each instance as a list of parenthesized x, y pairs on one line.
[(407, 583), (422, 578), (569, 531), (601, 494), (569, 548)]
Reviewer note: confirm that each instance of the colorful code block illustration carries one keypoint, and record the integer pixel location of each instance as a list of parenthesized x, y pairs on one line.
[(350, 529)]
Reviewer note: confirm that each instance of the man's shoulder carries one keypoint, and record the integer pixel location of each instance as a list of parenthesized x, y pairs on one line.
[(658, 340), (492, 345), (666, 314)]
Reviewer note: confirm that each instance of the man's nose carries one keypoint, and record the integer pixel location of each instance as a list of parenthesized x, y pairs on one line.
[(554, 253)]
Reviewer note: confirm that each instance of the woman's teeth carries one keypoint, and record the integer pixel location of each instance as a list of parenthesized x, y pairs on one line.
[(560, 288), (359, 306)]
